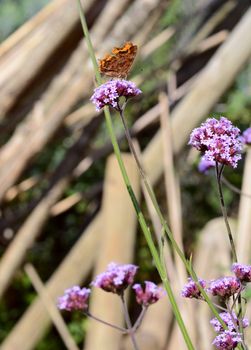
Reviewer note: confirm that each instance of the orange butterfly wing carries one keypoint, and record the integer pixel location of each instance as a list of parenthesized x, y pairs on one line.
[(118, 63)]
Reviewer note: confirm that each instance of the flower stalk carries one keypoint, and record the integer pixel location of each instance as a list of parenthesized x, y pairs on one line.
[(219, 172), (141, 219), (162, 220), (123, 330), (130, 329), (140, 318)]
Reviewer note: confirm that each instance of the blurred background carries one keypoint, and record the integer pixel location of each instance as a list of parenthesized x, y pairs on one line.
[(64, 211)]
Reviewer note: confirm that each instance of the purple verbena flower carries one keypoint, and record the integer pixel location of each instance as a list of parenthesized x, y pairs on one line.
[(109, 93), (246, 137), (218, 140), (225, 287), (74, 298), (228, 320), (149, 295), (191, 290), (242, 272), (116, 278), (205, 165), (227, 340)]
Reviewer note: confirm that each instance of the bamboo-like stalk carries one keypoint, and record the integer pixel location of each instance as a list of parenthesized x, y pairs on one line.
[(16, 74), (171, 181), (51, 308), (244, 217), (174, 208), (165, 249), (117, 244)]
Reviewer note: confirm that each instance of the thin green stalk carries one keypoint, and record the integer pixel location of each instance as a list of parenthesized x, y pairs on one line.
[(163, 222), (148, 235), (150, 190), (140, 216), (224, 211), (219, 172), (234, 188)]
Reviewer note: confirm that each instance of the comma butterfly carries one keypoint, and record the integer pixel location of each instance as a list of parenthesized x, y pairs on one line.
[(118, 63)]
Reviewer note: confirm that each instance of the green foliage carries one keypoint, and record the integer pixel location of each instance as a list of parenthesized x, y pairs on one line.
[(238, 101), (76, 331), (77, 327), (11, 307), (13, 13), (247, 294), (172, 15), (51, 341)]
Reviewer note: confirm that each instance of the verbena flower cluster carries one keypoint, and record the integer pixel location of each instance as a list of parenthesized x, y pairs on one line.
[(115, 279), (227, 340), (148, 295), (74, 298), (218, 140), (225, 288), (191, 290), (242, 272), (230, 320), (204, 165), (109, 93), (246, 136)]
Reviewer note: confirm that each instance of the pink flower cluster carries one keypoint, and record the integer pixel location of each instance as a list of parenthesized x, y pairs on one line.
[(242, 272), (246, 136), (148, 295), (116, 278), (228, 320), (191, 290), (218, 140), (109, 93), (225, 287), (74, 298), (227, 340), (205, 165)]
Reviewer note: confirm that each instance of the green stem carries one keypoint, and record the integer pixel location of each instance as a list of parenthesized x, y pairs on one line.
[(147, 234), (234, 188), (163, 222), (219, 172)]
